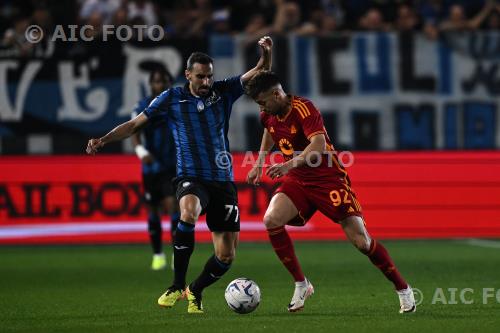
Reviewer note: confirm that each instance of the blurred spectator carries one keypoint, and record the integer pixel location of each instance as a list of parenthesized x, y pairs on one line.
[(121, 17), (256, 23), (456, 20), (334, 10), (104, 8), (432, 11), (406, 19), (255, 18), (242, 12), (41, 17), (220, 21), (319, 23), (488, 18), (354, 10), (95, 20), (14, 38), (373, 21), (143, 9), (288, 17)]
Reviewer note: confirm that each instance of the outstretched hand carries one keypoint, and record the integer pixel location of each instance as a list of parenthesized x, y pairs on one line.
[(93, 146), (254, 176)]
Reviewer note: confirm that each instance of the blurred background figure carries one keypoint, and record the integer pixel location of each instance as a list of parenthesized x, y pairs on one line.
[(14, 38), (103, 8), (154, 146), (407, 19), (144, 10)]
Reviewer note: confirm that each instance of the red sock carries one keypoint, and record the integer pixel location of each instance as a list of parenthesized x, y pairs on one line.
[(283, 246), (380, 257)]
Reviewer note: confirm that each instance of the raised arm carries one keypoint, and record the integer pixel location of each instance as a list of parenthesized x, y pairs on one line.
[(118, 133), (266, 144), (265, 61)]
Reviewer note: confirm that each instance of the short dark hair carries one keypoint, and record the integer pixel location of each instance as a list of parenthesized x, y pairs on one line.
[(198, 57), (164, 74), (262, 81)]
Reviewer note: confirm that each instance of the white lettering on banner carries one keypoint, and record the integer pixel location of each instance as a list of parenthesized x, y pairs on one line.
[(135, 78), (7, 111), (95, 99)]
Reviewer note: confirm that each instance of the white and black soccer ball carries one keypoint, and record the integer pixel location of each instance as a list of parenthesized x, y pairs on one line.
[(242, 295)]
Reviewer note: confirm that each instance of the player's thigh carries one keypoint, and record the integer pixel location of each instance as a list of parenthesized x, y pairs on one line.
[(289, 205), (223, 213), (280, 211), (335, 200), (190, 208), (225, 245), (193, 198), (355, 230)]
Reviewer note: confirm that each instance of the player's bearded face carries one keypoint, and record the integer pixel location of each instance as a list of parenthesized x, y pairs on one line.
[(268, 103), (200, 78)]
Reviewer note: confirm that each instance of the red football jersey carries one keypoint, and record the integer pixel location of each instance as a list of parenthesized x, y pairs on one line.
[(291, 135)]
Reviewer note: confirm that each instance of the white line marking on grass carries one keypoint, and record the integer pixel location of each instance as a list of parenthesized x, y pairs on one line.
[(483, 243)]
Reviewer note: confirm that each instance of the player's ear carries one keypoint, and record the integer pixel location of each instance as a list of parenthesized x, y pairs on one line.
[(187, 74)]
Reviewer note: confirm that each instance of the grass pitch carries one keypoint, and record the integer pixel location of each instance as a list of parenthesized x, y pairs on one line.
[(111, 289)]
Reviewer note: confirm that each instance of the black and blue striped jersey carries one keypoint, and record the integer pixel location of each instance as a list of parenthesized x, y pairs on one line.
[(158, 141), (199, 126)]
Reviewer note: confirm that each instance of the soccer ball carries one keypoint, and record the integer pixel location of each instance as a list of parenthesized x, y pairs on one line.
[(242, 295)]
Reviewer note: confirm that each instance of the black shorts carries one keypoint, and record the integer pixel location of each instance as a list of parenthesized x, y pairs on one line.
[(219, 200), (157, 186)]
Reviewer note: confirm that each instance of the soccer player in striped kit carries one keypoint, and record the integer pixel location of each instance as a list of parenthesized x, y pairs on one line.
[(154, 146), (314, 180), (198, 117)]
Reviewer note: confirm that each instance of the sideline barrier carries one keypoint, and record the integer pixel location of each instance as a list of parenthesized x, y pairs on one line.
[(84, 199)]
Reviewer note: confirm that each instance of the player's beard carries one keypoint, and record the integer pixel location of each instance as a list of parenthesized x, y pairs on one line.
[(203, 90)]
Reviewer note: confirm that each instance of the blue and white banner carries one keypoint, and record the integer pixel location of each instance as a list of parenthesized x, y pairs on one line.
[(375, 90)]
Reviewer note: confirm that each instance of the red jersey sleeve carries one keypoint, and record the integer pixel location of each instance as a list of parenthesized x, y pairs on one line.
[(312, 121)]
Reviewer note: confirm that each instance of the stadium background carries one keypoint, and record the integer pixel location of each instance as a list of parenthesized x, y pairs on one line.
[(418, 112), (409, 91)]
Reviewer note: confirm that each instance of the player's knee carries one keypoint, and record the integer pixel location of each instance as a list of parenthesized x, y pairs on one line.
[(273, 221), (362, 243), (189, 215), (226, 258)]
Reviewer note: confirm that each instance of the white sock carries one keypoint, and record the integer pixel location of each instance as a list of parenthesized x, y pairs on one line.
[(301, 283)]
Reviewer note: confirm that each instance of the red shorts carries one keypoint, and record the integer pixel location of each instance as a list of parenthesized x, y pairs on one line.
[(334, 200)]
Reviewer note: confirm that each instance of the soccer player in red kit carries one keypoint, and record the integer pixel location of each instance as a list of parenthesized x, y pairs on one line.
[(313, 180)]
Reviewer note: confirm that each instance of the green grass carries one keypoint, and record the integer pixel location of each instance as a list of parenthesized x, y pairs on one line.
[(111, 289)]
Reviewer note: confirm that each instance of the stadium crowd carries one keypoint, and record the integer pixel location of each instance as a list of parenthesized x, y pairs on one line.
[(201, 18)]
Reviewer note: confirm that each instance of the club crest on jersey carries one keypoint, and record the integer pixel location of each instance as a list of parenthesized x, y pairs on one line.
[(271, 130), (286, 147), (200, 106), (293, 130)]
